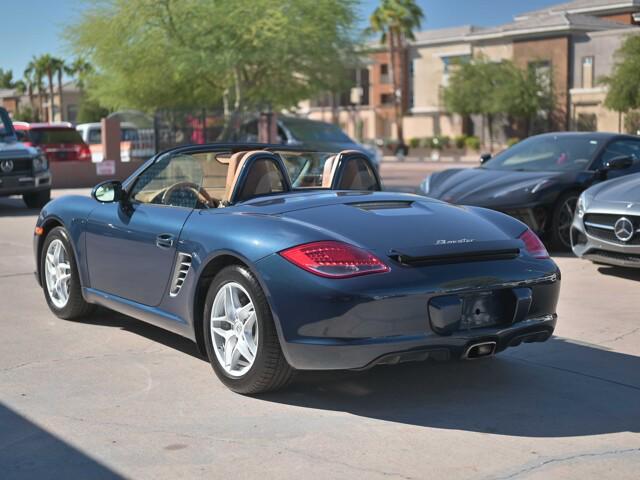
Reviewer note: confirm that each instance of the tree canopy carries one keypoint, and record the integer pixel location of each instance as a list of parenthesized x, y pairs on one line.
[(624, 89), (491, 89), (151, 54)]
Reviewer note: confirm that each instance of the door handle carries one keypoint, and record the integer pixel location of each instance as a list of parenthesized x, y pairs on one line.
[(165, 240)]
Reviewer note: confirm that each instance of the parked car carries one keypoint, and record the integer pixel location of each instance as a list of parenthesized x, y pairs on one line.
[(310, 134), (140, 143), (213, 243), (539, 179), (606, 227), (24, 170), (59, 141)]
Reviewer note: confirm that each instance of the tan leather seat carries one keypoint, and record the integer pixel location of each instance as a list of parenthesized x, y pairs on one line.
[(260, 180), (352, 178), (329, 171)]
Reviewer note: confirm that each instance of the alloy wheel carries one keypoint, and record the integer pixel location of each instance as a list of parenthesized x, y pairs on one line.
[(57, 273), (234, 329)]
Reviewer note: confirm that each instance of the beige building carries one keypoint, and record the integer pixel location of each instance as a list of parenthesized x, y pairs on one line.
[(14, 101), (432, 57), (574, 43)]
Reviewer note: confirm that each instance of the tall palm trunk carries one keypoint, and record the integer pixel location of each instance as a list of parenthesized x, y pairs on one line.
[(395, 70), (60, 102), (50, 80)]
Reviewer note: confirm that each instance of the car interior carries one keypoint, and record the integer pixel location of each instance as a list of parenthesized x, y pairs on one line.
[(219, 179)]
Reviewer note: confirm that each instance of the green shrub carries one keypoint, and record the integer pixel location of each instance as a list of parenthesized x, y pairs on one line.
[(472, 143), (425, 142), (459, 141), (445, 141), (512, 141), (414, 142), (436, 143)]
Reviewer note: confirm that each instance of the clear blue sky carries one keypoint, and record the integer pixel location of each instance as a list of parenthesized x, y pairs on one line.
[(34, 27)]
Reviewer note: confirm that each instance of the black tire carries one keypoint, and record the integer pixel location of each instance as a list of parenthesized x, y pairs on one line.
[(76, 307), (270, 370), (559, 232), (37, 199)]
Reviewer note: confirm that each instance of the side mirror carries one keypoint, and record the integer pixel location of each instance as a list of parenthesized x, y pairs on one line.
[(619, 163), (107, 192), (484, 157)]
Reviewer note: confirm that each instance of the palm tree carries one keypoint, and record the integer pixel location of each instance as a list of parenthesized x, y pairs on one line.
[(396, 21), (59, 68), (46, 65), (79, 69), (33, 80)]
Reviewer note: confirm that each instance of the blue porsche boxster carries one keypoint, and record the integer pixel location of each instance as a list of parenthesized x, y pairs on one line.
[(275, 260)]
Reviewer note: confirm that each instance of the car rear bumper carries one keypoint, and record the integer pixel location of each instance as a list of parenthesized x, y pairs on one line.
[(18, 185), (356, 355), (389, 318)]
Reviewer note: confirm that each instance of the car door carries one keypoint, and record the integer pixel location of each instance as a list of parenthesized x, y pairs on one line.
[(131, 245), (618, 148)]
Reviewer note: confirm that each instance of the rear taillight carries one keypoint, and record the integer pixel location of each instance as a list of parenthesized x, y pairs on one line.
[(84, 153), (533, 245), (334, 259)]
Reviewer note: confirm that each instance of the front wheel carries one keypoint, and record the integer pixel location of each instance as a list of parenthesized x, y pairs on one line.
[(37, 199), (60, 278), (561, 220), (240, 334)]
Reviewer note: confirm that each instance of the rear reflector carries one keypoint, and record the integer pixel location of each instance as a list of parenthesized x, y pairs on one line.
[(334, 259), (533, 245)]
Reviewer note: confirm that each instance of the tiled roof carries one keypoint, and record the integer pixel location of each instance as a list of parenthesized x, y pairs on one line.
[(443, 35), (582, 6), (550, 23)]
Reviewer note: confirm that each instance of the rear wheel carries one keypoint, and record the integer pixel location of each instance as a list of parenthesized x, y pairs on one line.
[(240, 334), (37, 199), (60, 279), (561, 220)]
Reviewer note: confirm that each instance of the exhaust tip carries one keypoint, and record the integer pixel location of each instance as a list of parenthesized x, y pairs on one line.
[(480, 350)]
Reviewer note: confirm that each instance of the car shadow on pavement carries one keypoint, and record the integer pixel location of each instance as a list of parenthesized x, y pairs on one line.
[(109, 318), (621, 272), (15, 207), (28, 451), (557, 389)]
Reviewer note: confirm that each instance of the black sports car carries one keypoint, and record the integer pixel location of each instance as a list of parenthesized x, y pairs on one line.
[(540, 179)]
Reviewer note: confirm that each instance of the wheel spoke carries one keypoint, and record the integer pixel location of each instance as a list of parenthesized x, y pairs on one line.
[(244, 313), (229, 351), (229, 306), (226, 334), (222, 319), (244, 350)]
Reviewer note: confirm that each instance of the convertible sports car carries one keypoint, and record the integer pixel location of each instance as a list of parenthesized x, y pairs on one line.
[(540, 179), (606, 227), (270, 266)]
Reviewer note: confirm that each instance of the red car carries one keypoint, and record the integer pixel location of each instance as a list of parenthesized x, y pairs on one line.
[(59, 141)]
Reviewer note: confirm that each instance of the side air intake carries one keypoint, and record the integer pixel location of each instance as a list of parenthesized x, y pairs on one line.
[(183, 265)]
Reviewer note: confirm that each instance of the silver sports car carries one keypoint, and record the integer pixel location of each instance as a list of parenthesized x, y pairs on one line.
[(606, 226)]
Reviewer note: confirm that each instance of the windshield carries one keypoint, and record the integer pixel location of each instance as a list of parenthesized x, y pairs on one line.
[(41, 136), (305, 169), (6, 127), (546, 153), (317, 132)]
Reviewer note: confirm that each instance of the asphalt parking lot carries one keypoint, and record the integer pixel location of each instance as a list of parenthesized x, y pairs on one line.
[(113, 397)]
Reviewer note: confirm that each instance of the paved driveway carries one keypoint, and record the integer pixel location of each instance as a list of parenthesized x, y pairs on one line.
[(115, 397)]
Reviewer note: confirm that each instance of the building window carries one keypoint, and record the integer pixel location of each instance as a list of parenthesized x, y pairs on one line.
[(587, 72), (542, 71), (386, 99), (384, 73)]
